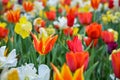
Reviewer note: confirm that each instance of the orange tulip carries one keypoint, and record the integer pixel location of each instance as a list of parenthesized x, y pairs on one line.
[(116, 63), (43, 46), (95, 3), (94, 30), (66, 73), (28, 6), (13, 16), (77, 60), (51, 15)]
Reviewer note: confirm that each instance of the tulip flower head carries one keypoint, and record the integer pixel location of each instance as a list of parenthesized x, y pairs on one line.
[(13, 16), (116, 62), (77, 60), (28, 6), (44, 45), (3, 30), (75, 45), (95, 4), (85, 18), (66, 74), (94, 30)]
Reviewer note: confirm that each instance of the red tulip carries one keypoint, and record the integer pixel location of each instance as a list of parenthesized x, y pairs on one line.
[(75, 45), (3, 32), (4, 2), (85, 18), (77, 60), (116, 63), (68, 31), (89, 40), (107, 36), (94, 30), (95, 3), (51, 15), (70, 18), (111, 5)]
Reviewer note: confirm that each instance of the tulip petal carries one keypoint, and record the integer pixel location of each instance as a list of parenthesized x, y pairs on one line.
[(71, 61), (57, 75), (66, 73), (79, 74)]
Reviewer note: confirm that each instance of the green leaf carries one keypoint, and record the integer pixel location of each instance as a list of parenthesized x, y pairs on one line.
[(90, 71)]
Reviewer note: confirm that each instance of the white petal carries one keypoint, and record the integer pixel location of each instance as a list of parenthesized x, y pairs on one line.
[(2, 50), (12, 54), (44, 72)]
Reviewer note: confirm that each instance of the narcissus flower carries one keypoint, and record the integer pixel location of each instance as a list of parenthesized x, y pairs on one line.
[(116, 62), (66, 74), (13, 16), (7, 61), (26, 72), (28, 6), (44, 45), (115, 33), (94, 30), (23, 28), (51, 15), (107, 36), (77, 60), (85, 18), (95, 3), (75, 45)]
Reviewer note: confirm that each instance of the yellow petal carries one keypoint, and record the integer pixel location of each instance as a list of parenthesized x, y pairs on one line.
[(79, 74), (66, 73), (57, 75)]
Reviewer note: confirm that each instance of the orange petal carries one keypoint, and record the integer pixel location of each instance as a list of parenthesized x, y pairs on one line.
[(50, 43), (66, 73), (57, 75), (79, 74), (35, 42)]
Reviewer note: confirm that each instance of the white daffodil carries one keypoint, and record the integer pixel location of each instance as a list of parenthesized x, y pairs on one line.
[(112, 76), (52, 3), (27, 72), (7, 61), (62, 22), (38, 6), (43, 72)]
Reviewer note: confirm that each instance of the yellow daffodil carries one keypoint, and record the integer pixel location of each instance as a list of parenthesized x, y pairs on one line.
[(13, 75), (52, 8), (115, 33), (23, 28), (42, 14), (50, 30)]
